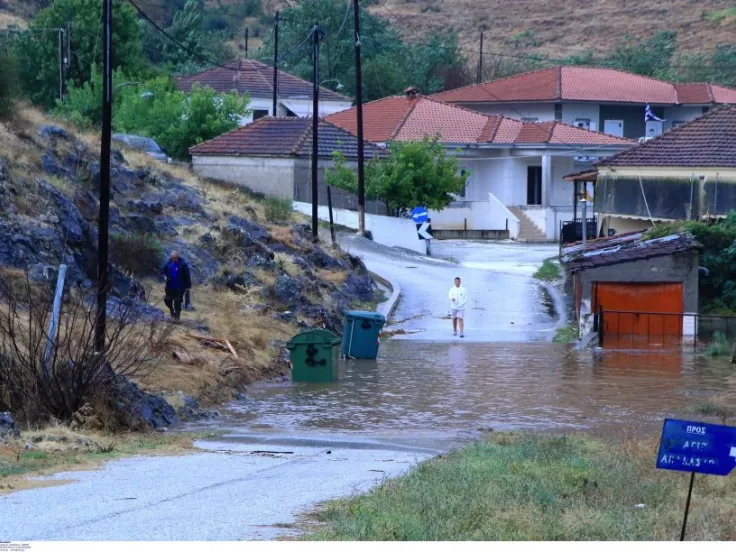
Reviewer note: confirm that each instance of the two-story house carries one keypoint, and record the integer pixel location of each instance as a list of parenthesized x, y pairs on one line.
[(252, 77), (593, 98)]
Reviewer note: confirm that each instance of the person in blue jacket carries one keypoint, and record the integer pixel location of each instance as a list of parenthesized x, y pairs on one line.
[(178, 281)]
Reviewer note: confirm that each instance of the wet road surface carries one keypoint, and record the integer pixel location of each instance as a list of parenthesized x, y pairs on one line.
[(504, 302)]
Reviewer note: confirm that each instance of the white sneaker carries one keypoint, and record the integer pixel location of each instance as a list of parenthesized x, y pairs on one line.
[(462, 335), (454, 333)]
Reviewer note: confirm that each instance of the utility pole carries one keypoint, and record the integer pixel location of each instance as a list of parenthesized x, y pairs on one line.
[(359, 105), (246, 42), (275, 61), (317, 34), (60, 34), (480, 60), (104, 214), (68, 46)]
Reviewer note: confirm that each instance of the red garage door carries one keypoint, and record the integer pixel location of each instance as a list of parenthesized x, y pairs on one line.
[(639, 309)]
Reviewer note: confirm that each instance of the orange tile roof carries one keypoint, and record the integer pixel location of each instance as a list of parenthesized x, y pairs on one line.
[(593, 84), (412, 118), (255, 78)]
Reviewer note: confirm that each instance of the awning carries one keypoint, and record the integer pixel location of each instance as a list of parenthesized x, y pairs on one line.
[(300, 109), (582, 176)]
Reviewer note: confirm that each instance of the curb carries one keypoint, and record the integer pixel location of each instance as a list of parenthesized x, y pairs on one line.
[(387, 308)]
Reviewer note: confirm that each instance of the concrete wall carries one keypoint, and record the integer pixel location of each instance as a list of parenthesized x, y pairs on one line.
[(391, 231), (681, 113), (491, 214), (266, 175), (682, 267), (486, 175)]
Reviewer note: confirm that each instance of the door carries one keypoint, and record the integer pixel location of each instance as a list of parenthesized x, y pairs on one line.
[(534, 185), (653, 311), (614, 128)]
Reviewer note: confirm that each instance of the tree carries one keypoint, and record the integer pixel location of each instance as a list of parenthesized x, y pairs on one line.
[(187, 27), (652, 57), (8, 82), (158, 109), (178, 121), (414, 173), (389, 64), (38, 51)]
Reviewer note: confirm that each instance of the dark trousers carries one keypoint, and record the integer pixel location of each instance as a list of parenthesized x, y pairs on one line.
[(173, 300)]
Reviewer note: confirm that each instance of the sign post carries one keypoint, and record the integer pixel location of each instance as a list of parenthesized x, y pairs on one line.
[(696, 447), (420, 216)]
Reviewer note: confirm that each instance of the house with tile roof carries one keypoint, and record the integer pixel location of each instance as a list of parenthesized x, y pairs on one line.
[(688, 172), (252, 77), (515, 167), (272, 156), (594, 98)]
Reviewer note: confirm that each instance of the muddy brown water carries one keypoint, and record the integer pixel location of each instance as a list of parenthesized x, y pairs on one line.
[(424, 389)]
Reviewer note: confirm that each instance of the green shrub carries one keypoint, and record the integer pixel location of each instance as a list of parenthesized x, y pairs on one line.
[(548, 272), (719, 346), (278, 209), (141, 254), (9, 84)]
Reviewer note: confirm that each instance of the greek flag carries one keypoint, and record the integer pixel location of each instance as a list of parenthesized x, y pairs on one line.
[(649, 116)]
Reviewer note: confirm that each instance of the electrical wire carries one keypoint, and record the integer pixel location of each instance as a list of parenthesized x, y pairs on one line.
[(345, 19)]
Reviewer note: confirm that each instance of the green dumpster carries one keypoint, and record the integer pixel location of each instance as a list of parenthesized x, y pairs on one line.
[(314, 356), (360, 338)]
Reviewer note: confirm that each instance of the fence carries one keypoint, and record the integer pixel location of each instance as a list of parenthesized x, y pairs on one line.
[(341, 199), (571, 231), (661, 328)]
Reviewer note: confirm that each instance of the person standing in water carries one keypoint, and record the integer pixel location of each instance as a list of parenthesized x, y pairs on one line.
[(458, 299)]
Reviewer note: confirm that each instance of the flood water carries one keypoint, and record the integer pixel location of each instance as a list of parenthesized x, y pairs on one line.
[(424, 389)]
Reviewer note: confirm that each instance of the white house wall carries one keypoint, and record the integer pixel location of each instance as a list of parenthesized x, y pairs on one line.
[(680, 113), (539, 111), (302, 107), (573, 111), (269, 176), (486, 175)]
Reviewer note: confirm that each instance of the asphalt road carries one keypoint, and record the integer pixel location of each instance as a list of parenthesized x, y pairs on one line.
[(505, 303)]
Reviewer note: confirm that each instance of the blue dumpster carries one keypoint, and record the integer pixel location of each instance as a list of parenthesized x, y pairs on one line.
[(360, 338)]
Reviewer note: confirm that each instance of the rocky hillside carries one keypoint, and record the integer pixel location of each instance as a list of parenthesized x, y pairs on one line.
[(536, 26), (257, 277)]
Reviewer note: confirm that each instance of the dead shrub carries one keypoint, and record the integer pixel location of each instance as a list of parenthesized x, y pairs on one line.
[(50, 374), (141, 254)]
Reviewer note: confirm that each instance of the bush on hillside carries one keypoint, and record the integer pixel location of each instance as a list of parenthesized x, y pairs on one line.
[(9, 85)]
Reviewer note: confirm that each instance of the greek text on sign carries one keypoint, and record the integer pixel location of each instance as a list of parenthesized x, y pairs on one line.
[(697, 447)]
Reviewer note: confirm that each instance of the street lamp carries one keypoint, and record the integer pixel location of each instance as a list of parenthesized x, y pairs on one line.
[(339, 84), (146, 95)]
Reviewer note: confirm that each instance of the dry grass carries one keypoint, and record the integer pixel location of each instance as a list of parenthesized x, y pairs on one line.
[(214, 375), (334, 276), (8, 19), (285, 262)]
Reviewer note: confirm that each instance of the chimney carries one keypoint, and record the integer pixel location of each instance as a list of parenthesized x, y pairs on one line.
[(411, 92)]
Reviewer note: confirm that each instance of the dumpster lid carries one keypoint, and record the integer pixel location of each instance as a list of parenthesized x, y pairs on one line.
[(324, 337), (366, 315)]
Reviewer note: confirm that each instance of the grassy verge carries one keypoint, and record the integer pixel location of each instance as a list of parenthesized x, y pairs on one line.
[(566, 334), (548, 272), (532, 487), (58, 448)]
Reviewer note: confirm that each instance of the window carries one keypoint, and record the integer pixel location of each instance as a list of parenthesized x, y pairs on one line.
[(675, 124), (583, 123), (259, 113), (530, 119), (464, 172), (558, 112)]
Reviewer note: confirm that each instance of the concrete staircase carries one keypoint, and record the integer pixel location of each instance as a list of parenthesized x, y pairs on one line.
[(528, 231)]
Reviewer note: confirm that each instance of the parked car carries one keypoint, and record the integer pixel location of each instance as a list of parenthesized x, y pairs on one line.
[(143, 144)]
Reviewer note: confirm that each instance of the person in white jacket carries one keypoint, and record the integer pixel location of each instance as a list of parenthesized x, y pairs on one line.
[(458, 299)]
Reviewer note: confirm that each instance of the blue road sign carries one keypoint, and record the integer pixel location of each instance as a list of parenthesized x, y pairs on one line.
[(697, 447), (419, 215)]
